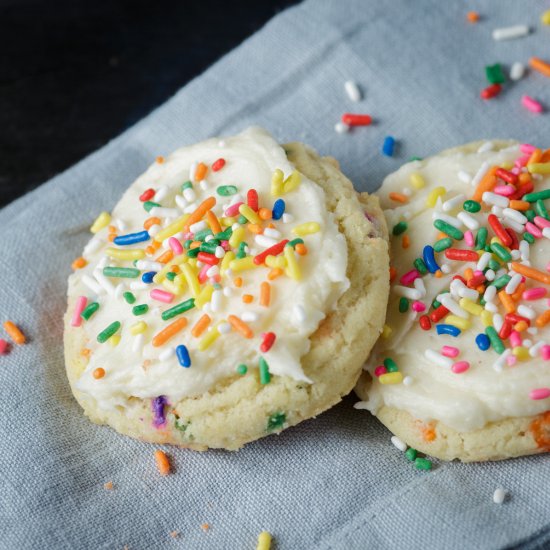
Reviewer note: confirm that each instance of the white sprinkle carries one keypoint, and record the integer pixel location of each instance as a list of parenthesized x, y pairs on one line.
[(498, 321), (200, 264), (438, 359), (483, 261), (216, 300), (250, 316), (189, 194), (452, 306), (526, 311), (93, 246), (513, 284), (224, 328), (154, 230), (208, 238), (213, 271), (468, 220), (534, 350), (161, 193), (451, 204), (162, 212), (419, 285), (498, 365), (121, 225), (445, 268), (524, 249), (407, 292), (455, 222), (299, 313), (138, 285), (533, 331), (166, 354), (137, 343), (516, 255), (490, 275), (104, 282), (263, 241), (148, 265), (227, 291), (517, 227), (480, 173), (180, 201), (288, 218), (514, 215), (219, 252), (353, 91), (192, 170), (487, 146), (499, 495), (199, 226), (517, 71), (272, 233), (490, 293), (464, 177), (489, 306), (397, 443), (546, 232), (203, 184), (119, 289), (341, 128), (492, 198), (408, 380), (102, 263), (508, 33), (92, 284)]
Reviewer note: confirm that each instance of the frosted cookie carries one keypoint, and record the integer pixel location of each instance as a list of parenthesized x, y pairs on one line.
[(462, 369), (235, 290)]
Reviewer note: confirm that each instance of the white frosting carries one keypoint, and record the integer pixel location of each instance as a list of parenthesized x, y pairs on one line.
[(147, 372), (480, 395)]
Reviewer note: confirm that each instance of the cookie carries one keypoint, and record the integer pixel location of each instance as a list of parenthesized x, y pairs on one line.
[(235, 290), (462, 369)]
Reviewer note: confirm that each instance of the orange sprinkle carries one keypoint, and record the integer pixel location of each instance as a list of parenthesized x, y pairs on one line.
[(165, 257), (406, 241), (195, 244), (398, 197), (543, 319), (438, 274), (540, 428), (201, 210), (507, 301), (274, 273), (85, 352), (472, 16), (525, 177), (520, 326), (265, 294), (540, 66), (264, 213), (200, 172), (535, 156), (150, 222), (442, 235), (98, 373), (271, 225), (248, 298), (255, 228), (111, 237), (112, 229), (301, 249), (428, 432), (468, 273), (240, 326), (531, 273), (545, 156), (160, 159), (487, 183), (200, 325), (481, 289), (171, 330), (163, 464), (205, 526), (79, 263), (520, 205), (14, 333), (393, 273), (516, 296), (238, 282), (213, 222), (175, 268)]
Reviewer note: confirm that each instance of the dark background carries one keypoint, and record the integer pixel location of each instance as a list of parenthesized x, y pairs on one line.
[(76, 73)]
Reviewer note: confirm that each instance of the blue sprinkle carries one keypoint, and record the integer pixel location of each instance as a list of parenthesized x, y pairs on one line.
[(148, 277), (429, 259), (278, 209), (483, 342), (132, 238), (447, 329), (183, 356), (388, 147)]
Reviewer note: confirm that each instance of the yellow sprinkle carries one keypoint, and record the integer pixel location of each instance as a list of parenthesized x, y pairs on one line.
[(264, 541), (307, 228), (242, 264), (417, 181), (138, 328), (191, 278), (521, 352), (237, 237), (249, 214), (470, 307), (180, 282), (114, 340), (103, 220), (227, 259), (119, 254), (161, 275), (228, 222), (292, 182), (545, 18), (172, 229), (204, 296), (275, 261), (539, 168), (209, 338), (507, 165), (292, 267), (487, 318), (391, 378), (458, 322), (386, 331), (431, 200), (170, 286), (277, 183), (496, 240)]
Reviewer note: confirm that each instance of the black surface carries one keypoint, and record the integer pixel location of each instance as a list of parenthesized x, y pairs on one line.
[(76, 73)]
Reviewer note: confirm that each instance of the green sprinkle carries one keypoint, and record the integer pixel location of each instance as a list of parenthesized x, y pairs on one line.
[(399, 228), (481, 238), (129, 297), (226, 190), (170, 275), (242, 369), (493, 264), (482, 302), (501, 252), (390, 364), (502, 281), (420, 266), (411, 453), (265, 377), (294, 242), (217, 286), (436, 304), (443, 244), (422, 464), (528, 237), (179, 309), (540, 210), (403, 304), (126, 272), (187, 244), (105, 334), (193, 252), (276, 421), (448, 229), (242, 220), (412, 159), (494, 74), (186, 185), (209, 247), (534, 197), (202, 234), (471, 206), (89, 310), (150, 204), (496, 342), (530, 214), (142, 309), (241, 253), (225, 235)]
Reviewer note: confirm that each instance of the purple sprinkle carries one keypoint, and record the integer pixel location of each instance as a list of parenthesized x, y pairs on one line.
[(158, 404)]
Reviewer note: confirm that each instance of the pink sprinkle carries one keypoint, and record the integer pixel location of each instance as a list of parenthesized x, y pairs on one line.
[(478, 273), (527, 148), (162, 295), (516, 170), (409, 277), (504, 190), (545, 352), (450, 351), (419, 306), (380, 370), (81, 302), (175, 245), (233, 210), (511, 360), (460, 366), (188, 236), (533, 229), (225, 245), (4, 346), (534, 293), (522, 161), (469, 238), (202, 273), (539, 393), (531, 104), (541, 222), (515, 339)]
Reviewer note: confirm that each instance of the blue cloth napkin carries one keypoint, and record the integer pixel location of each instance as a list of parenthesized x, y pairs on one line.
[(332, 482)]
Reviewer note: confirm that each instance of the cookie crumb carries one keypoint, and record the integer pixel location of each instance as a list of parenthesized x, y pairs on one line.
[(205, 526), (108, 486), (174, 534)]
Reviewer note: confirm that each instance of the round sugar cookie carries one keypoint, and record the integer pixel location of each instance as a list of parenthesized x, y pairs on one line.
[(462, 369), (235, 290)]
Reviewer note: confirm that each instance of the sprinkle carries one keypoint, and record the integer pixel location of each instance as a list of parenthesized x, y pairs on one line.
[(499, 495), (182, 354), (398, 444), (162, 462), (495, 340), (353, 91), (450, 351), (494, 75), (447, 329), (218, 164), (472, 16), (132, 238), (411, 454), (169, 332), (265, 376), (350, 119), (142, 309), (531, 104), (388, 146), (491, 91), (133, 254), (307, 228), (264, 541), (517, 71), (241, 369), (438, 359), (267, 342), (89, 310), (422, 464), (391, 378), (543, 319), (509, 33), (265, 294), (80, 305), (540, 66), (79, 263), (531, 273), (98, 373), (108, 332), (123, 272), (103, 220), (3, 346), (460, 366)]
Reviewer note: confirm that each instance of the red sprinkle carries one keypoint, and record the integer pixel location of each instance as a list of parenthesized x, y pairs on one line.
[(514, 237), (252, 199), (207, 258), (425, 322), (461, 255), (506, 176), (3, 346), (274, 250), (499, 230), (218, 165), (521, 190), (515, 318), (267, 342), (491, 91), (438, 314), (356, 120), (147, 195), (475, 281), (506, 329)]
